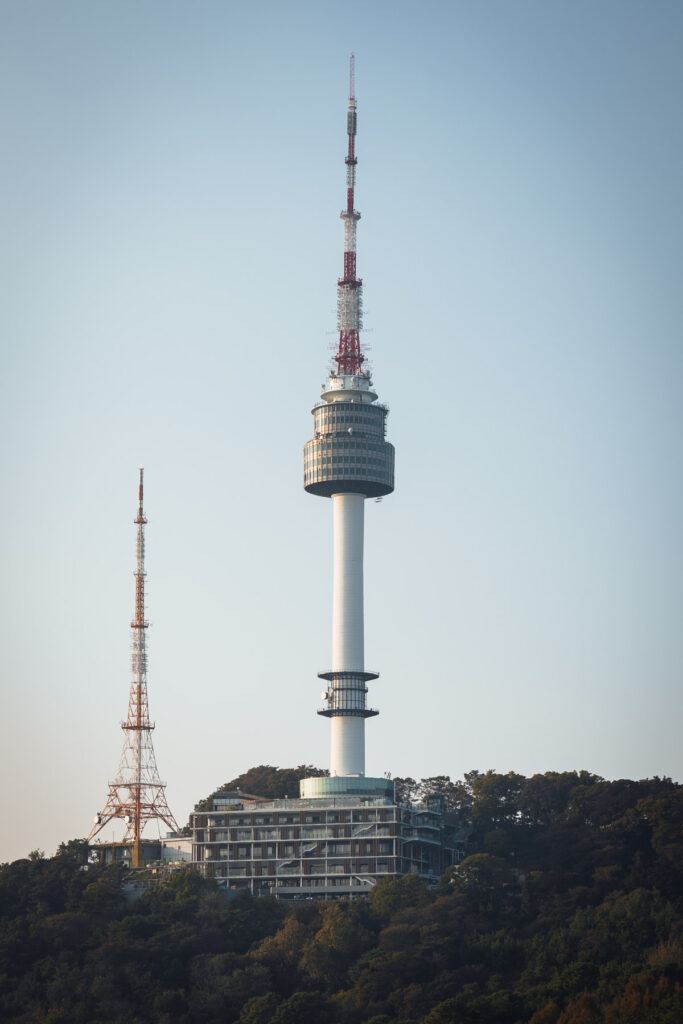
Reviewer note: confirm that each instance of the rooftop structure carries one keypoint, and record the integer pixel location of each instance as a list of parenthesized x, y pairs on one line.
[(174, 850)]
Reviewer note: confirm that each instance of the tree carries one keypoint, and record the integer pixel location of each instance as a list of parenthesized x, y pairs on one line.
[(302, 1008), (267, 781), (447, 1012), (76, 849), (407, 790), (546, 1014), (339, 941), (481, 877), (391, 895), (495, 799), (259, 1009), (281, 952), (456, 796)]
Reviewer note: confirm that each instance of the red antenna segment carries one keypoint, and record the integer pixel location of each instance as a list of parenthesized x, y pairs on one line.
[(349, 358)]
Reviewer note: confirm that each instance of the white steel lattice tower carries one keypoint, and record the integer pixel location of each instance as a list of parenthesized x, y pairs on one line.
[(137, 794), (348, 460)]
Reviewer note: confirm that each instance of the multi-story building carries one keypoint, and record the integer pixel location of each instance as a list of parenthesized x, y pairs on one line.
[(321, 846)]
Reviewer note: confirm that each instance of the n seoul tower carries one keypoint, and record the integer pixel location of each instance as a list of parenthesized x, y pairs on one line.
[(348, 460)]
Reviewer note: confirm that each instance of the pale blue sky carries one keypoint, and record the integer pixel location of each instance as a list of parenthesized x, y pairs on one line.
[(170, 181)]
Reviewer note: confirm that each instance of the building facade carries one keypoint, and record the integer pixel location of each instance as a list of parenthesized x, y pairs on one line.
[(175, 850), (321, 847)]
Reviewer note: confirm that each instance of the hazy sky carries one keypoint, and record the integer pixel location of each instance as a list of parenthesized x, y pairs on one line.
[(170, 182)]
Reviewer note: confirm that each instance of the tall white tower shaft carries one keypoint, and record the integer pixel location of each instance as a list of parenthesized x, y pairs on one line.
[(347, 607), (348, 460), (347, 754)]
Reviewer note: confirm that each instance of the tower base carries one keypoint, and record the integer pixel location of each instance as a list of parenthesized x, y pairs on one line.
[(346, 785)]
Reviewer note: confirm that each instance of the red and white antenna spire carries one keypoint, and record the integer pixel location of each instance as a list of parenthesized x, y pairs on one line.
[(349, 358)]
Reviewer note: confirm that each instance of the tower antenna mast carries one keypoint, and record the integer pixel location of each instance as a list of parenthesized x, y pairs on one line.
[(349, 357), (137, 794)]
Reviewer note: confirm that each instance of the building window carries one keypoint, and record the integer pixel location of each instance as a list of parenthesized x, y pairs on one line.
[(338, 849), (265, 833), (319, 832)]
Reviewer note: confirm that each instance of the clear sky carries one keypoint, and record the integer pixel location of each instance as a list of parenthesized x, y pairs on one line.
[(170, 182)]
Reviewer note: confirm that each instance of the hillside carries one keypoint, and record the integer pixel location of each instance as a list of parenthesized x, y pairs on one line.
[(569, 910)]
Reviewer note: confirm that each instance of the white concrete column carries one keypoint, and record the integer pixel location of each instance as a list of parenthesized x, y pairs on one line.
[(347, 601), (347, 745), (347, 753)]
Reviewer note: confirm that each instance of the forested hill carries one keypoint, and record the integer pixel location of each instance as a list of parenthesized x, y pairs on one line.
[(569, 910), (267, 781)]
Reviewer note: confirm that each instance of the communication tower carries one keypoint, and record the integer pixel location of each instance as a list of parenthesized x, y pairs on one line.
[(348, 460), (346, 832), (137, 794)]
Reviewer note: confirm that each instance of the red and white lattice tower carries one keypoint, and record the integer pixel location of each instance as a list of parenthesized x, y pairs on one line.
[(137, 794), (348, 460)]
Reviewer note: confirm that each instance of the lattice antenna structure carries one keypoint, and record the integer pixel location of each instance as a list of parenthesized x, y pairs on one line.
[(137, 794), (349, 357)]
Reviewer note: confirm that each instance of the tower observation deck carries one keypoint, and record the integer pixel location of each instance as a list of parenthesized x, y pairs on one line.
[(348, 460)]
